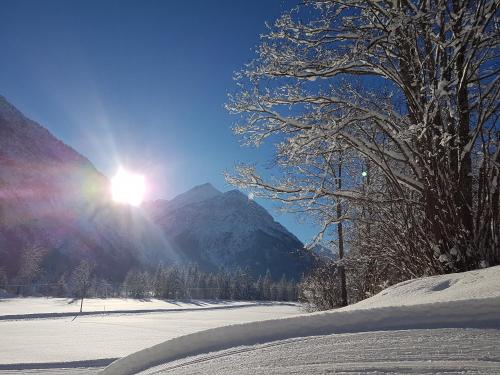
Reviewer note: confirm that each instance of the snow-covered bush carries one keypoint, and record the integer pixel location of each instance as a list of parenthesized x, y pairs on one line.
[(320, 289)]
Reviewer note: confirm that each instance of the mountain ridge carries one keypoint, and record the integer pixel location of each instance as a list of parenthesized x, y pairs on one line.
[(53, 197)]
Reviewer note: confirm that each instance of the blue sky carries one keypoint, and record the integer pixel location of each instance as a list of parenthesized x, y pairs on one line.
[(138, 83)]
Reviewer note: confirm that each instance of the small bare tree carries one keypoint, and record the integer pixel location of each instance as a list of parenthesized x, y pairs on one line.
[(3, 278), (82, 279), (320, 289), (30, 268)]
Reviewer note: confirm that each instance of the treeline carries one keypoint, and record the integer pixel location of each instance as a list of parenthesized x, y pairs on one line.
[(166, 282), (191, 283)]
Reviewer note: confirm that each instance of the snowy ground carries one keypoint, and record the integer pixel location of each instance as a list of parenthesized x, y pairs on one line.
[(34, 307), (439, 325), (37, 343), (446, 324), (454, 287), (427, 351)]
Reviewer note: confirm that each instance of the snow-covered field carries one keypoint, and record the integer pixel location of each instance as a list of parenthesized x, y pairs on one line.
[(32, 307), (438, 325), (446, 324), (37, 343)]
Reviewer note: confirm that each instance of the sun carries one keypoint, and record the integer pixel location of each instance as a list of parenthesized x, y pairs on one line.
[(127, 187)]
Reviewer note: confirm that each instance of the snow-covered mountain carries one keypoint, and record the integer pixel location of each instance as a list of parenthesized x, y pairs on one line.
[(325, 252), (197, 194), (229, 230), (54, 198)]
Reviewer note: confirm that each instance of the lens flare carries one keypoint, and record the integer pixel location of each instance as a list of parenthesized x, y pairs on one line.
[(128, 188)]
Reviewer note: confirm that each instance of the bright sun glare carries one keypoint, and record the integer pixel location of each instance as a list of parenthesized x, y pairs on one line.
[(127, 187)]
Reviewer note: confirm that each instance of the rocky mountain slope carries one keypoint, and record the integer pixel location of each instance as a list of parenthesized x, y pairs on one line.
[(229, 230)]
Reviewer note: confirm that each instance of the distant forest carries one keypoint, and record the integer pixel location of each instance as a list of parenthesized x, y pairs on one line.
[(166, 282)]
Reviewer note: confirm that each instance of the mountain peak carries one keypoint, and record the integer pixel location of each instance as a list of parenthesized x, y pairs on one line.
[(196, 194), (206, 189), (206, 185), (228, 230)]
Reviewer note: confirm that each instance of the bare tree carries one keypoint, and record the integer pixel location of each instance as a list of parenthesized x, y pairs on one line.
[(30, 268), (320, 289), (3, 278), (138, 283), (409, 87), (82, 280)]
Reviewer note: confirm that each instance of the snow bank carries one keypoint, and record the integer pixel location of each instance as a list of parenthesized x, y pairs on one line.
[(409, 305), (453, 287)]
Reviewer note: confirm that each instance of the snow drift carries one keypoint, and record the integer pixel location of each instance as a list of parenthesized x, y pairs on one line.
[(469, 299)]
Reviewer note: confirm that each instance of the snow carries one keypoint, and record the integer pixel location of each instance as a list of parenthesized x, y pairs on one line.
[(468, 300), (230, 230), (474, 351), (196, 194), (453, 287), (53, 371), (445, 324), (53, 342), (36, 307)]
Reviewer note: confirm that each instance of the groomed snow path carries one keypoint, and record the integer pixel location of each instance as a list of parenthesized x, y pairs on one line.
[(434, 351), (448, 307)]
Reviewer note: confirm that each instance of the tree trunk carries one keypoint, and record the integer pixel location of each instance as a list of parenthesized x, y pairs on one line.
[(340, 232), (463, 198), (84, 292)]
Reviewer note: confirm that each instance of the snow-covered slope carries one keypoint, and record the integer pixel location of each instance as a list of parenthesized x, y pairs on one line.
[(325, 252), (399, 307), (470, 285), (229, 230)]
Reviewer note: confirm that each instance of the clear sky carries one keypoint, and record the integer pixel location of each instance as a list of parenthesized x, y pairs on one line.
[(138, 83)]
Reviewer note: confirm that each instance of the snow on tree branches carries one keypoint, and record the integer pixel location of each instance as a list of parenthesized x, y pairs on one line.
[(405, 93)]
